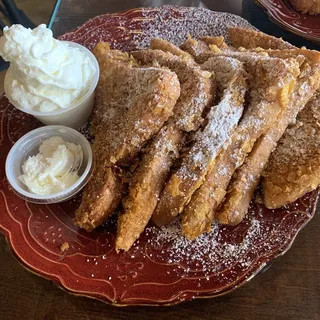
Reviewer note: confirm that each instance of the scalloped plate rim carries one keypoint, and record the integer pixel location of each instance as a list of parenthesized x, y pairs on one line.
[(29, 267), (284, 25)]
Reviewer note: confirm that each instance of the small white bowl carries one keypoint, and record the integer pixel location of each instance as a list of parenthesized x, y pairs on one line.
[(74, 116), (29, 145)]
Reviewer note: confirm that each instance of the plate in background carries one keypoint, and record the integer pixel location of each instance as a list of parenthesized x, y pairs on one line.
[(283, 14)]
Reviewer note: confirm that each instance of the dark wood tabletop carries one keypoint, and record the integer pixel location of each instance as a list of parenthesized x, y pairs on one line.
[(289, 289)]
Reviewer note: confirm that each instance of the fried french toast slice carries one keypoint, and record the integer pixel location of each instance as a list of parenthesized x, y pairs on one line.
[(194, 47), (197, 91), (294, 167), (247, 178), (217, 41), (199, 213), (251, 39), (197, 47), (221, 121), (146, 185), (113, 59), (132, 104), (270, 80), (166, 46), (307, 85)]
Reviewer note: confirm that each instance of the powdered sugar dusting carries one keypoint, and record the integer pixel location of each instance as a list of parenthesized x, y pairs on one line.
[(155, 270), (221, 121), (208, 251), (219, 252), (136, 29), (301, 140), (197, 22), (223, 117)]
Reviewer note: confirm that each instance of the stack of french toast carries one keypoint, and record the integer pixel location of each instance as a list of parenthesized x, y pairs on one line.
[(191, 131)]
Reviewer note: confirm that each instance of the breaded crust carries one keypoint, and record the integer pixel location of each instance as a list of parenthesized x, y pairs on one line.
[(201, 161), (197, 90), (131, 106), (248, 38), (146, 185), (306, 6), (199, 213), (294, 167), (166, 46), (221, 122), (247, 178), (196, 47), (270, 80), (100, 198)]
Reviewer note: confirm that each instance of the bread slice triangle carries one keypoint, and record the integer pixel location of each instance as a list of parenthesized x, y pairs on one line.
[(132, 104), (197, 91), (294, 167), (271, 87), (247, 177), (220, 123)]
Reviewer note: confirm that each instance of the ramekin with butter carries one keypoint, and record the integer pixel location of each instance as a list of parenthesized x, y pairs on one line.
[(50, 164), (54, 168)]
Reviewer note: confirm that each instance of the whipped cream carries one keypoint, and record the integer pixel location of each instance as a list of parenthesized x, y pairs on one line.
[(54, 168), (45, 74)]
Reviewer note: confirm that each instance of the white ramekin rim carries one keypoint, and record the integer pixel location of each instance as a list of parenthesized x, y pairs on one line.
[(62, 195), (89, 92)]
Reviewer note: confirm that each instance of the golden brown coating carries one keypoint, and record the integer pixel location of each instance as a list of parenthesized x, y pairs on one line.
[(251, 39), (194, 47), (217, 41), (294, 167), (166, 46), (146, 185), (150, 106), (200, 211), (306, 6), (132, 103), (197, 92), (207, 143), (242, 186), (107, 58), (248, 176), (197, 47), (100, 198), (270, 80)]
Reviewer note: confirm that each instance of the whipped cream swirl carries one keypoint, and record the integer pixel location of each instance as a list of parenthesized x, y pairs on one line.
[(45, 74)]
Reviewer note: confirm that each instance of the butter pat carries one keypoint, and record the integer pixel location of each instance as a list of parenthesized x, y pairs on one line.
[(54, 168), (45, 74)]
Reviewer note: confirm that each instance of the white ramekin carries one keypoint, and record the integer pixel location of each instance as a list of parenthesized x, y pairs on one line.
[(29, 145), (74, 116)]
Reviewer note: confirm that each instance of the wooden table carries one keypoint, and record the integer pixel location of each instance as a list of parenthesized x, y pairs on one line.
[(290, 289)]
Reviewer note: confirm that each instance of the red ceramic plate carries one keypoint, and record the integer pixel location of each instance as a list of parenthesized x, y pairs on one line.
[(162, 268), (304, 25)]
